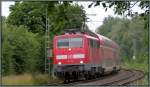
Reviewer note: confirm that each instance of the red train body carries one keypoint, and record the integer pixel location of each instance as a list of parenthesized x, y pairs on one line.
[(77, 55)]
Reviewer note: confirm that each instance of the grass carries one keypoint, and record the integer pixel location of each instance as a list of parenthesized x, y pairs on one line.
[(28, 79), (25, 79), (137, 66)]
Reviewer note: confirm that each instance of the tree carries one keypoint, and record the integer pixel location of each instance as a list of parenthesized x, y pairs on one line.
[(30, 14), (107, 25), (123, 7), (61, 15), (33, 15), (129, 34), (20, 50)]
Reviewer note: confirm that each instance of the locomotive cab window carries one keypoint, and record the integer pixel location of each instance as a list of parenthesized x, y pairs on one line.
[(63, 43), (70, 43), (76, 42)]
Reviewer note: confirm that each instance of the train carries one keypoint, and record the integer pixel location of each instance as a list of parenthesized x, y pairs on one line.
[(84, 54)]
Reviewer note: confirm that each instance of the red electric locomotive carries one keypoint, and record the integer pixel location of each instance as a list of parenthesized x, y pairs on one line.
[(84, 54)]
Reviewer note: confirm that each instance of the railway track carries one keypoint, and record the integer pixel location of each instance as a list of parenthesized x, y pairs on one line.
[(123, 77)]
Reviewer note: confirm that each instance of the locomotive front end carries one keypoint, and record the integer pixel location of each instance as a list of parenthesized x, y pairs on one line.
[(69, 56)]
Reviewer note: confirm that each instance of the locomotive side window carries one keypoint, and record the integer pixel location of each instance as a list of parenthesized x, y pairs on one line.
[(63, 43), (97, 45), (106, 43), (75, 42), (94, 43), (91, 43)]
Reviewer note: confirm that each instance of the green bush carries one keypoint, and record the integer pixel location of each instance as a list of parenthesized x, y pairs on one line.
[(20, 50)]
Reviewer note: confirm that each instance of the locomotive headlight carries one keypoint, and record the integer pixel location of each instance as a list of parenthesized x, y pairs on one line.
[(78, 56), (59, 63), (81, 62), (61, 56)]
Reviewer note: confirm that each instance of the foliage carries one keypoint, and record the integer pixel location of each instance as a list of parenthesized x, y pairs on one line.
[(66, 16), (129, 34), (125, 7), (33, 15), (20, 50)]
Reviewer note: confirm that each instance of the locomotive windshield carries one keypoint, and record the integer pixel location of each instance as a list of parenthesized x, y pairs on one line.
[(69, 42)]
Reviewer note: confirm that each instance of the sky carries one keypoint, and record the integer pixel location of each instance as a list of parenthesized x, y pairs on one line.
[(96, 20)]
